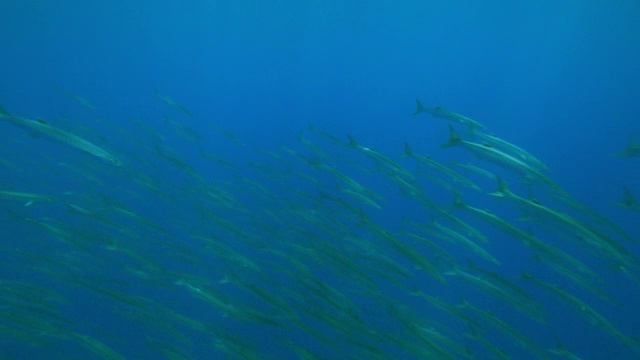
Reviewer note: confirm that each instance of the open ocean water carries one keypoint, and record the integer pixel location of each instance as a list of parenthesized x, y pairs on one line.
[(267, 179)]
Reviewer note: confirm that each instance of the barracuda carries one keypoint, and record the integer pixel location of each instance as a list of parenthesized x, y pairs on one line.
[(488, 317), (495, 286), (169, 101), (455, 237), (438, 112), (428, 161), (512, 149), (629, 201), (489, 153), (62, 136), (632, 150), (594, 317), (599, 241), (28, 198), (498, 223)]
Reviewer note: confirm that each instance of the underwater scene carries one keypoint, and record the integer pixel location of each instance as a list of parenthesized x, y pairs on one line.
[(252, 179)]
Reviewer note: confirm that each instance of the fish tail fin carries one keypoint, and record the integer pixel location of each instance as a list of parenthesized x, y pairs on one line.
[(408, 152), (503, 191), (352, 142), (458, 203), (419, 108), (454, 138), (225, 280)]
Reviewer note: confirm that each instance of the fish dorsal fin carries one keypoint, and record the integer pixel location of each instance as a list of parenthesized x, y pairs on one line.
[(629, 199)]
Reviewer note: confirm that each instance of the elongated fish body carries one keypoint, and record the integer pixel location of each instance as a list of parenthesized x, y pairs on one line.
[(478, 170), (489, 153), (62, 136), (498, 223), (512, 149), (169, 101), (438, 112), (503, 289), (26, 197), (428, 161), (594, 317), (511, 332), (601, 243), (453, 236)]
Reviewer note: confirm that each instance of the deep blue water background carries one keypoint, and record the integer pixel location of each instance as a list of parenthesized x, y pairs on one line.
[(560, 79)]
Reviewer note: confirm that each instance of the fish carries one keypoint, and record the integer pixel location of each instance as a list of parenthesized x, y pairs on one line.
[(602, 221), (511, 149), (82, 101), (75, 141), (590, 314), (494, 285), (184, 131), (487, 317), (492, 154), (419, 260), (28, 198), (455, 237), (576, 278), (97, 347), (438, 112), (498, 223), (169, 101), (428, 161), (561, 351), (632, 150), (601, 243), (477, 170), (381, 160), (629, 201)]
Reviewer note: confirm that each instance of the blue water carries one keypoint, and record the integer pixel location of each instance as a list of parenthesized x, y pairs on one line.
[(248, 79)]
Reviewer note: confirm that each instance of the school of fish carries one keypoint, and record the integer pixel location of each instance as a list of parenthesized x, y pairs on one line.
[(157, 229)]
